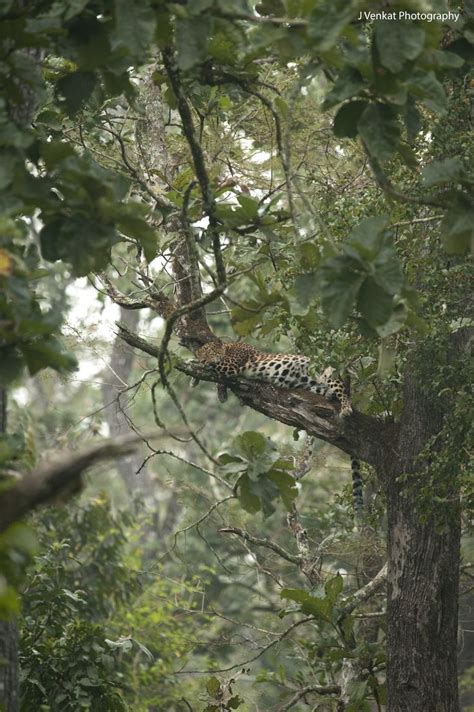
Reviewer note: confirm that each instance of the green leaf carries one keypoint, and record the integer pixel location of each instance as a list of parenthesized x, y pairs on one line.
[(53, 152), (387, 268), (374, 303), (457, 227), (424, 86), (366, 238), (286, 484), (398, 42), (249, 501), (213, 686), (131, 221), (348, 84), (379, 129), (442, 59), (341, 279), (76, 89), (327, 20), (399, 316), (386, 362), (347, 119), (134, 26), (83, 243), (447, 171), (294, 594), (47, 352), (12, 364), (249, 205), (191, 40), (306, 288), (333, 587), (412, 119)]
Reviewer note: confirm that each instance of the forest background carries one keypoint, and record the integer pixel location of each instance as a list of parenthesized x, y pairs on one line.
[(284, 174)]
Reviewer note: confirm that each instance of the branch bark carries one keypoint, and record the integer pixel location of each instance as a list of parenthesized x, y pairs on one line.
[(59, 477)]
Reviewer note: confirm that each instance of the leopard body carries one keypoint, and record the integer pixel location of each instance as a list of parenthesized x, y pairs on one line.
[(284, 371)]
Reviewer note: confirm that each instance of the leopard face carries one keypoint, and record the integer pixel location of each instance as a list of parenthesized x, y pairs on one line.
[(226, 359)]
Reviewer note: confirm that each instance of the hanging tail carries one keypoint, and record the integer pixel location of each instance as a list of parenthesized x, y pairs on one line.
[(357, 487)]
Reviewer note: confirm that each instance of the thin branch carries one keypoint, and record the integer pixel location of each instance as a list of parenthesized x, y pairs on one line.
[(364, 593), (255, 657), (198, 160), (318, 689), (266, 543)]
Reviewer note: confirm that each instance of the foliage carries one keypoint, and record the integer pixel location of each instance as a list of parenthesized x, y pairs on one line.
[(82, 619)]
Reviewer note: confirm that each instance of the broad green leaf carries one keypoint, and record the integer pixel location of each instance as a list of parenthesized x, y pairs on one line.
[(386, 362), (333, 587), (252, 444), (348, 84), (457, 227), (249, 501), (347, 119), (398, 42), (306, 288), (54, 151), (379, 129), (326, 22), (47, 353), (442, 59), (134, 26), (286, 484), (374, 303), (191, 40), (425, 87), (76, 89), (387, 268), (447, 171), (412, 118), (249, 205), (72, 242), (399, 316), (367, 237), (213, 686), (12, 364), (294, 594), (341, 279)]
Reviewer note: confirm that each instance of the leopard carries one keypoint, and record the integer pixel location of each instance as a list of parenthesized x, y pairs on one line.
[(283, 370)]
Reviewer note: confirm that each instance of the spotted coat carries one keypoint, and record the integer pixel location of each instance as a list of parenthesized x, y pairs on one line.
[(283, 370)]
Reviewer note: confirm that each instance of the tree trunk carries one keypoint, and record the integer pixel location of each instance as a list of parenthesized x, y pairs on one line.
[(423, 574), (9, 692)]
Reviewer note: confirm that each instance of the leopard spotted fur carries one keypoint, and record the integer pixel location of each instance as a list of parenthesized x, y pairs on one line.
[(282, 370)]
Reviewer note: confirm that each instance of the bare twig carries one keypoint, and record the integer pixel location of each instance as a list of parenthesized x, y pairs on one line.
[(266, 543)]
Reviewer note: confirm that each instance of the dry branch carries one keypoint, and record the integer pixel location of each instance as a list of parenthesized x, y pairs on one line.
[(59, 477)]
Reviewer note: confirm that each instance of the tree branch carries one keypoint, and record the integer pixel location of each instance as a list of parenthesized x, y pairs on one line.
[(61, 476), (364, 593), (361, 436), (266, 543)]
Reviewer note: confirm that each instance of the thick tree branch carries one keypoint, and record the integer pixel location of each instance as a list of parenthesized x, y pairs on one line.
[(359, 435), (60, 476)]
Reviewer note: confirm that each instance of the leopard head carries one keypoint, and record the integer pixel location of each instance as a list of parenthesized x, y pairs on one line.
[(212, 353)]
